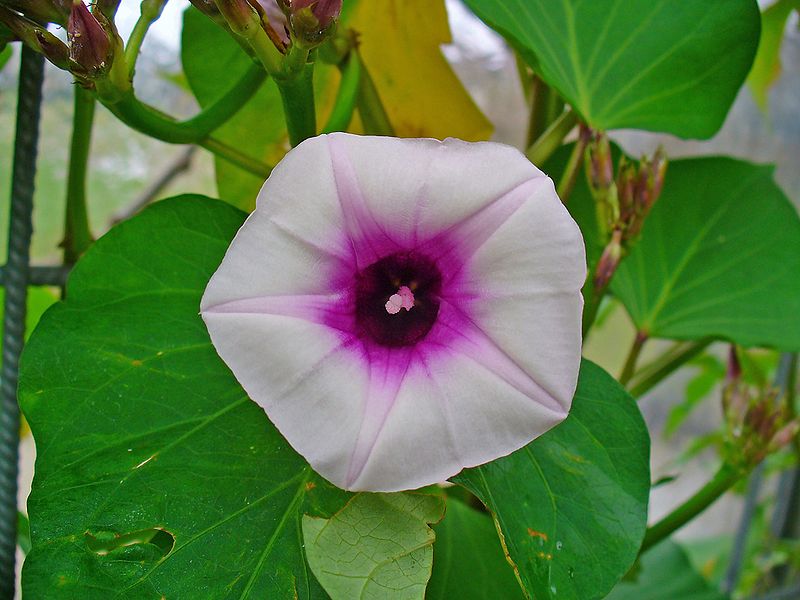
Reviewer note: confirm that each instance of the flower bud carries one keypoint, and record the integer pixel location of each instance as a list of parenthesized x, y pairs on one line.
[(601, 167), (784, 435), (90, 45), (651, 181), (626, 190), (609, 260), (36, 37), (41, 11), (325, 11), (311, 20)]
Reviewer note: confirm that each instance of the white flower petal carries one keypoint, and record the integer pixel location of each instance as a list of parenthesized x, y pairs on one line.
[(457, 414), (416, 188), (370, 405), (311, 386), (295, 238)]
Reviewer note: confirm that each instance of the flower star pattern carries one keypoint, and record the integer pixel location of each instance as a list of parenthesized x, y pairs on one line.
[(403, 309)]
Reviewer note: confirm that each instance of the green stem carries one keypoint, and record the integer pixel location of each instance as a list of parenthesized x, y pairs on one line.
[(723, 480), (537, 123), (633, 356), (196, 130), (570, 175), (593, 299), (551, 139), (150, 11), (373, 114), (142, 117), (297, 94), (347, 95), (77, 234), (233, 156), (546, 106), (659, 369)]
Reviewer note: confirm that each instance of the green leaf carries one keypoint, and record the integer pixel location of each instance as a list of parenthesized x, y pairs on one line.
[(644, 64), (156, 476), (23, 533), (666, 574), (468, 560), (378, 546), (213, 62), (718, 257), (767, 65), (572, 504), (5, 52)]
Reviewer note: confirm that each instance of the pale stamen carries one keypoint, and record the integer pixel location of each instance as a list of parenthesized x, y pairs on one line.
[(404, 298)]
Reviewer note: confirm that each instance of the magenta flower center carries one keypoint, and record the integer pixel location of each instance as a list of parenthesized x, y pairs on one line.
[(397, 299)]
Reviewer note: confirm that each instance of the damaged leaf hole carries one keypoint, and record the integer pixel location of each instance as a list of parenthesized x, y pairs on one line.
[(154, 543)]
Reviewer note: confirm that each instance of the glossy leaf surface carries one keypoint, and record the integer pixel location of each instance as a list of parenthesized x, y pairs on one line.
[(719, 256), (572, 505), (661, 66), (156, 476), (468, 560), (665, 573)]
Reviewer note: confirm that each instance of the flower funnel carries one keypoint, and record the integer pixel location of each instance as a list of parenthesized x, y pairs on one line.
[(403, 309)]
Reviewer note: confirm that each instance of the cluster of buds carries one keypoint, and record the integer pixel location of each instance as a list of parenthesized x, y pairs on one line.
[(306, 23), (623, 202), (757, 421), (92, 38), (311, 21)]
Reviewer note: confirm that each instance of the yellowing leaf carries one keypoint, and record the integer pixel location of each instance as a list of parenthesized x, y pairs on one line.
[(767, 65), (400, 44)]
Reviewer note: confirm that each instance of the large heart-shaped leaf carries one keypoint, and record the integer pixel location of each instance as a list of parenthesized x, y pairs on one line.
[(572, 504), (648, 64), (665, 573), (719, 257), (468, 560), (156, 476)]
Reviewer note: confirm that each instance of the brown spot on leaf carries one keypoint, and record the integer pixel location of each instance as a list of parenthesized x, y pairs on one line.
[(538, 534)]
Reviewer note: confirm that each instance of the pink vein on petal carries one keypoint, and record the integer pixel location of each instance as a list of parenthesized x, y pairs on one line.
[(466, 237), (479, 347), (368, 237), (387, 371), (324, 309)]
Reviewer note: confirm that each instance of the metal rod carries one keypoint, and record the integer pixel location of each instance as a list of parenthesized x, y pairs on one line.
[(55, 276), (16, 283)]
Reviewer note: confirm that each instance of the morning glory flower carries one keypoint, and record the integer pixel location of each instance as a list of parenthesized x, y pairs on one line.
[(403, 308)]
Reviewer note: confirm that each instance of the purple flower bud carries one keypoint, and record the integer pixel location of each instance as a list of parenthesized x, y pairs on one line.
[(326, 11), (609, 260), (734, 370), (89, 44), (601, 169), (626, 185), (784, 435), (42, 11), (35, 36)]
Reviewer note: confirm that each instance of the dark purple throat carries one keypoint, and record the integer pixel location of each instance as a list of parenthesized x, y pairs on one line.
[(384, 278)]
